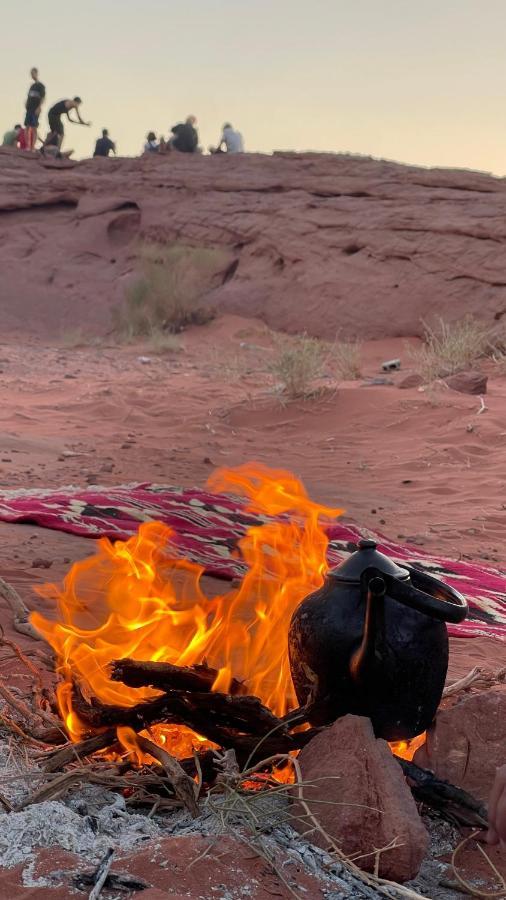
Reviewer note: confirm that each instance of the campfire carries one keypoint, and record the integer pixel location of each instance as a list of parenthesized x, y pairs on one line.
[(139, 643), (172, 689)]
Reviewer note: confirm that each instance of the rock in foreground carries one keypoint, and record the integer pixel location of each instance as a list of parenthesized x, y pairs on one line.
[(356, 790)]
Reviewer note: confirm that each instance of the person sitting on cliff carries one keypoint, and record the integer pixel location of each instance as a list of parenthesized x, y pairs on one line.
[(151, 145), (185, 137), (64, 107), (11, 137), (497, 810), (231, 141), (104, 146)]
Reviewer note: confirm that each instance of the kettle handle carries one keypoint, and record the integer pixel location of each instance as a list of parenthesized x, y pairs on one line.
[(428, 595)]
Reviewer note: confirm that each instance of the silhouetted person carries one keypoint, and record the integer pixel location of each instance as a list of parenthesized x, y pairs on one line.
[(64, 107), (11, 138), (151, 145), (231, 140), (34, 101), (185, 136), (104, 145)]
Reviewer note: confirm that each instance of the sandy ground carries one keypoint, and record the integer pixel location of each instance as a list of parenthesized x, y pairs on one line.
[(423, 467)]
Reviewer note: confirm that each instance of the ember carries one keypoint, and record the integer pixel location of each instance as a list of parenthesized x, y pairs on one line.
[(138, 600)]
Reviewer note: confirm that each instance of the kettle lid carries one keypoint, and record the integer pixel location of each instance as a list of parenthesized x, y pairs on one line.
[(366, 557)]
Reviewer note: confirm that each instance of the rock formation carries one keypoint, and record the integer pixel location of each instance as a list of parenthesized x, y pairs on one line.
[(317, 242)]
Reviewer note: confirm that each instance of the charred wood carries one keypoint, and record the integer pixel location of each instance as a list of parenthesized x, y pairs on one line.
[(167, 677), (452, 802)]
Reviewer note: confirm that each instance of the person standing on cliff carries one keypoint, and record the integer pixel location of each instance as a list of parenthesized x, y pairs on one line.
[(64, 107), (34, 101)]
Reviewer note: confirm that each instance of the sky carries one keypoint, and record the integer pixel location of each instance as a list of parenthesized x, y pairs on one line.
[(418, 81)]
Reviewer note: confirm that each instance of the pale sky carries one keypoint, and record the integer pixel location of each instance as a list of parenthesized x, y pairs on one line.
[(419, 81)]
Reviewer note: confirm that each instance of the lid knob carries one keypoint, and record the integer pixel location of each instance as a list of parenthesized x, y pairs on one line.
[(366, 544)]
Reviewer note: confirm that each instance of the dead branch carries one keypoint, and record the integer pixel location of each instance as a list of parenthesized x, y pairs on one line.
[(184, 786), (444, 797), (20, 611), (474, 676)]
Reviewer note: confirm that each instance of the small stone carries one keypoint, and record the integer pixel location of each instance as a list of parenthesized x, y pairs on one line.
[(365, 803), (410, 381), (107, 467), (391, 365), (92, 479), (468, 382), (207, 461), (41, 563), (145, 360)]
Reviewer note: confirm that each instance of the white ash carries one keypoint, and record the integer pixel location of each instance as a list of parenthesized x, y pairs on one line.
[(53, 824)]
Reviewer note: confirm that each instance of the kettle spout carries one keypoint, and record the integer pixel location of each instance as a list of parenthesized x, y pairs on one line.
[(363, 659)]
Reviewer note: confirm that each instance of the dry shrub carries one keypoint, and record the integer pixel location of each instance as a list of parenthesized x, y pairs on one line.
[(346, 359), (167, 296), (452, 348), (163, 342), (299, 361)]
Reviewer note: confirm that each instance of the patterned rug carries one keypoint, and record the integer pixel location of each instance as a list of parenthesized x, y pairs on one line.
[(208, 527)]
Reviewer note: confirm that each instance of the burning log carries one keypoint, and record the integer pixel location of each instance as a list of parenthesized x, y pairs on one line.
[(239, 723), (167, 677)]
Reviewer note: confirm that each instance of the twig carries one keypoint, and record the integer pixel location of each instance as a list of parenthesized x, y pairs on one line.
[(184, 786), (476, 674), (75, 751), (101, 875), (483, 408), (21, 612), (5, 803), (470, 888)]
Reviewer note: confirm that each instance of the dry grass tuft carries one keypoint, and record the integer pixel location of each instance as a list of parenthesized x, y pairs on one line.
[(298, 363), (162, 343), (452, 348), (167, 296), (346, 359)]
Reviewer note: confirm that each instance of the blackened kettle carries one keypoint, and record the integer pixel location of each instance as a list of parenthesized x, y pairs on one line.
[(373, 642)]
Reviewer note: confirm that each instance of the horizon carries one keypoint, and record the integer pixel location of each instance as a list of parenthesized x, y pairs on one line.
[(369, 81)]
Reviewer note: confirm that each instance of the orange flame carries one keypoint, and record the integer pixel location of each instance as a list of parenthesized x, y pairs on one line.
[(137, 599)]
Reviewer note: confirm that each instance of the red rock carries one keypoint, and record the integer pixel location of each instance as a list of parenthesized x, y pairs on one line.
[(320, 243), (468, 382), (364, 802), (410, 381), (468, 742), (198, 866)]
